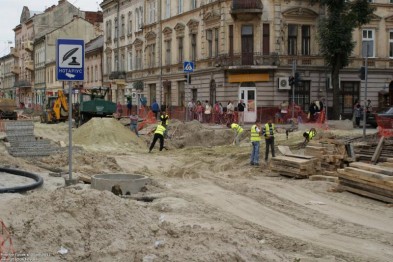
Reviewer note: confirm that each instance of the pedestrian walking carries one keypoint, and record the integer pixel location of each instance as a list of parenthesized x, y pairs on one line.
[(129, 107), (255, 141), (155, 108), (240, 108), (268, 132), (208, 111), (134, 123)]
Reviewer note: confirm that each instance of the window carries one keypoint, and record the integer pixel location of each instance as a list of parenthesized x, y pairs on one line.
[(292, 39), (123, 62), (305, 40), (129, 23), (109, 65), (168, 52), (130, 60), (152, 55), (137, 20), (96, 73), (88, 74), (193, 4), (302, 95), (180, 49), (138, 59), (167, 8), (209, 42), (179, 6), (140, 18), (109, 30), (116, 28), (193, 47), (91, 74), (368, 43), (122, 29), (391, 43), (216, 47), (231, 40), (116, 66), (266, 39), (152, 11)]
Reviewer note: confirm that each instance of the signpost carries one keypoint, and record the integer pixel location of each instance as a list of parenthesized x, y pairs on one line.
[(188, 67), (70, 61)]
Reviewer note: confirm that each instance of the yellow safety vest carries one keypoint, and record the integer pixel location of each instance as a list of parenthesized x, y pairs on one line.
[(162, 117), (160, 130), (311, 134), (237, 127), (269, 130), (254, 134)]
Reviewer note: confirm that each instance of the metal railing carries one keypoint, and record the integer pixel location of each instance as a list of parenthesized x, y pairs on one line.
[(247, 59), (246, 4)]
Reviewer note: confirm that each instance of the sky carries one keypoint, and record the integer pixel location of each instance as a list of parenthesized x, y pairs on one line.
[(12, 9)]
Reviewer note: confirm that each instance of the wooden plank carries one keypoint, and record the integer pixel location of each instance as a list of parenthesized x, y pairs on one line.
[(372, 168), (373, 188), (288, 174), (366, 193), (290, 170), (366, 173), (365, 180), (378, 150), (300, 156), (323, 178), (284, 150)]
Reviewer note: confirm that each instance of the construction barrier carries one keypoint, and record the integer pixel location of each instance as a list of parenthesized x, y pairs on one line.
[(7, 252), (385, 126)]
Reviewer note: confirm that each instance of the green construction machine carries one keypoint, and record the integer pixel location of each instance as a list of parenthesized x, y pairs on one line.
[(92, 103)]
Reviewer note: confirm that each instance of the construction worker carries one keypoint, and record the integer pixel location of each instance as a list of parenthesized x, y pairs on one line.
[(164, 118), (255, 141), (309, 135), (238, 132), (268, 132), (158, 134)]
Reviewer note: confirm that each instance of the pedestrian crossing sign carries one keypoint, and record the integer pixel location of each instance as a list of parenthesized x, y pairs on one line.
[(188, 66)]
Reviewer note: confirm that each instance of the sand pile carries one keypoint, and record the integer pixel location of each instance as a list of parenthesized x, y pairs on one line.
[(106, 133), (195, 134), (90, 225)]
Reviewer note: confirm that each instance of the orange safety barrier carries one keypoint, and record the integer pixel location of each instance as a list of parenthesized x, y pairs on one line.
[(7, 252), (385, 126)]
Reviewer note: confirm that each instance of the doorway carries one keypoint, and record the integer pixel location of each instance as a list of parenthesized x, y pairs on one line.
[(248, 95)]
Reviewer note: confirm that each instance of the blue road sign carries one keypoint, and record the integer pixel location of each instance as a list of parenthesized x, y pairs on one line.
[(70, 59), (188, 67)]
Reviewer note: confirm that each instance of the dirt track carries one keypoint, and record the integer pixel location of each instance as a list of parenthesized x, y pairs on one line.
[(211, 206)]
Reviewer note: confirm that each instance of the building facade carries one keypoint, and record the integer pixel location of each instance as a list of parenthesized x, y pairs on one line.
[(7, 77), (241, 49), (93, 63)]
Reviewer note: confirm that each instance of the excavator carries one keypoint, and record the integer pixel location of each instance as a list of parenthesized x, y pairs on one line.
[(56, 109)]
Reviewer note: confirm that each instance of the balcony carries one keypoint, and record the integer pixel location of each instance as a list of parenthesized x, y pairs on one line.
[(246, 10), (117, 75), (14, 52), (29, 65), (245, 60), (15, 70), (23, 83), (28, 46)]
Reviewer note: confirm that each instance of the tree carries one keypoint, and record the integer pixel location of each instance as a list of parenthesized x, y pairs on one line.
[(335, 37)]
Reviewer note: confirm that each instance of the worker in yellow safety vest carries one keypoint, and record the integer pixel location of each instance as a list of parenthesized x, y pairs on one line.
[(158, 134), (268, 132), (309, 135), (255, 141), (238, 132)]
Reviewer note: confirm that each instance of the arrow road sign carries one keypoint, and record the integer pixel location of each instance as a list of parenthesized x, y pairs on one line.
[(70, 59), (188, 67)]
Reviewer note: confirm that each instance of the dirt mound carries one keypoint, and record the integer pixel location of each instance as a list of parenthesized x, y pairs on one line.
[(193, 133), (105, 133)]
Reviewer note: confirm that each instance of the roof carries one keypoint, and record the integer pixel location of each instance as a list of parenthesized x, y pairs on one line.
[(94, 44)]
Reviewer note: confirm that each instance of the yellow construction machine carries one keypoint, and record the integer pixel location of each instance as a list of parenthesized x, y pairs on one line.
[(56, 109)]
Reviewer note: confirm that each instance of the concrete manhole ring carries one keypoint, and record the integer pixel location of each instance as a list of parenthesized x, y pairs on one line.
[(119, 184)]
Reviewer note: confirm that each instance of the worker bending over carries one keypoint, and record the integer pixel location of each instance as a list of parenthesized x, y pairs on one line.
[(238, 132), (309, 135), (158, 134)]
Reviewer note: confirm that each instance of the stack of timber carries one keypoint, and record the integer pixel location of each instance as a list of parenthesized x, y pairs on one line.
[(297, 166), (331, 155), (366, 151), (368, 180)]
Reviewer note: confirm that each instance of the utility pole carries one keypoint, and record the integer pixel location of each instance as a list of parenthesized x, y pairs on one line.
[(293, 91), (365, 93)]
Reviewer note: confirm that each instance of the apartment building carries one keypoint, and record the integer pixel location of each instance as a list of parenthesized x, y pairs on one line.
[(7, 77), (93, 63), (241, 49)]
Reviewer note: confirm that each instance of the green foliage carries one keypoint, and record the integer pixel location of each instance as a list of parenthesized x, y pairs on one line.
[(138, 85), (335, 30)]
